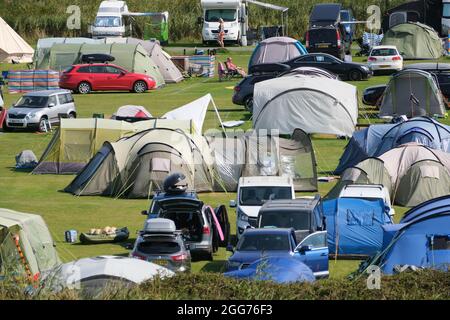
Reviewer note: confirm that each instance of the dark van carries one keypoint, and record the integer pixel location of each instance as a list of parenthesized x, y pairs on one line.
[(327, 40)]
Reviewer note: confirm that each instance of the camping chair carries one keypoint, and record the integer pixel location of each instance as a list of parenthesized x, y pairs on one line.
[(232, 73), (222, 72)]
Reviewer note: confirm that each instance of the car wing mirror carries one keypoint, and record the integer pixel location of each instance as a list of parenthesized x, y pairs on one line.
[(51, 105), (305, 248), (187, 246), (233, 204), (144, 212)]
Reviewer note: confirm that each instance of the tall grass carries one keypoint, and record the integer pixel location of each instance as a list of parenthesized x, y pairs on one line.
[(39, 18)]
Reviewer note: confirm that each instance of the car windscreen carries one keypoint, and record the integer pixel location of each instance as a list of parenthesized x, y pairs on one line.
[(228, 15), (256, 196), (159, 245), (108, 22), (383, 52), (264, 242), (325, 35), (32, 102), (298, 220)]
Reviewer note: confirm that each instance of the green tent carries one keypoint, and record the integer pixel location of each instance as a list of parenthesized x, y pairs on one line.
[(132, 57), (414, 40), (26, 246)]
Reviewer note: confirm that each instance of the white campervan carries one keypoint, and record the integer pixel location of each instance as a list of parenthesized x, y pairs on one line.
[(234, 15), (110, 20), (253, 192)]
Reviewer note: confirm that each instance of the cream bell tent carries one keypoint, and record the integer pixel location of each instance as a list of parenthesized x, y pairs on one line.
[(12, 47), (314, 105), (413, 173), (78, 140)]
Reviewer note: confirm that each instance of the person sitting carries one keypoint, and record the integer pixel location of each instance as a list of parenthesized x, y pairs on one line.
[(231, 67)]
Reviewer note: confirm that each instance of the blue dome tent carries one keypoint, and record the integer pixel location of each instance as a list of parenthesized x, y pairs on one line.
[(378, 139), (422, 239)]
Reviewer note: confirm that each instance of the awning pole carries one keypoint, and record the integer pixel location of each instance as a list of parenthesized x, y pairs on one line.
[(218, 116)]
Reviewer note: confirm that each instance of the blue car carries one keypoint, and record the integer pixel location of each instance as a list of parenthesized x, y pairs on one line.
[(255, 244)]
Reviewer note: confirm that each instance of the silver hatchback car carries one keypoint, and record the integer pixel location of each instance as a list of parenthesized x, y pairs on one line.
[(35, 110)]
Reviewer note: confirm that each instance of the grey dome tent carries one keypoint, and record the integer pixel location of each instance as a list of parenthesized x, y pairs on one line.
[(412, 93), (314, 105), (414, 40), (378, 139), (412, 173), (276, 49)]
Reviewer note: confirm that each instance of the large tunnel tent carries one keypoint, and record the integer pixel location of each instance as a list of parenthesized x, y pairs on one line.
[(314, 105), (25, 234), (78, 140), (378, 139), (253, 154), (414, 41), (136, 166), (412, 93), (131, 57), (277, 49), (412, 173)]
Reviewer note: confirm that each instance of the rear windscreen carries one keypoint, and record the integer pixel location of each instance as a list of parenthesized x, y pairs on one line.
[(383, 52), (322, 36), (159, 246)]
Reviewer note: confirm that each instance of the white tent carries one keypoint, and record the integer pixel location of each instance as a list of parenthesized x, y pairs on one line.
[(195, 111), (314, 105), (12, 46), (132, 111)]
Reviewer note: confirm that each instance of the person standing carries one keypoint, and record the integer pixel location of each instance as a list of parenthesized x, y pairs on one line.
[(220, 38)]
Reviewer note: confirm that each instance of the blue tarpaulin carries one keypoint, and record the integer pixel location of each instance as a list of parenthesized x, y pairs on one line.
[(354, 225)]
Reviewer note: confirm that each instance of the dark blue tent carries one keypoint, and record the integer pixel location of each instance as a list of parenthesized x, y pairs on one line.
[(276, 269), (422, 239), (354, 225), (378, 139)]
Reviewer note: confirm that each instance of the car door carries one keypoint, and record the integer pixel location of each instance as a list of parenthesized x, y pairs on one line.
[(61, 107), (52, 109), (306, 61), (313, 251), (99, 77), (330, 63), (117, 79)]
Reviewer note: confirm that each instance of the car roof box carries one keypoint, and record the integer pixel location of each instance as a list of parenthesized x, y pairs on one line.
[(159, 226), (269, 68), (97, 57)]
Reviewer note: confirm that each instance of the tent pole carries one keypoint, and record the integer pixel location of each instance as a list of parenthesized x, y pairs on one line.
[(218, 116)]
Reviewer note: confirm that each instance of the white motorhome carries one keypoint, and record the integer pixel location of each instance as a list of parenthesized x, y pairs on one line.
[(110, 20), (445, 16), (234, 15)]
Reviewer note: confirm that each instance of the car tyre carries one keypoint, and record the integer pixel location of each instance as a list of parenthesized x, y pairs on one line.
[(355, 75), (140, 87), (84, 88), (72, 115), (42, 124), (248, 103)]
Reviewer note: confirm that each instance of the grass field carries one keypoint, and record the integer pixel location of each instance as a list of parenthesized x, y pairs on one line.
[(42, 195)]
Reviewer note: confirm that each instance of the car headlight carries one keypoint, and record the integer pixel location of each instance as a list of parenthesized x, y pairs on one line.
[(31, 116), (242, 216)]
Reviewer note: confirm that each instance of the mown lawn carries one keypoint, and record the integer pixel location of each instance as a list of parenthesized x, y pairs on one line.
[(42, 195)]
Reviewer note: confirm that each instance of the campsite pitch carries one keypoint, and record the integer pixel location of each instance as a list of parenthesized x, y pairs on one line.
[(42, 194)]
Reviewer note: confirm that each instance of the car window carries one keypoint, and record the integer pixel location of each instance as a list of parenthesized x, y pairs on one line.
[(316, 240), (51, 100), (256, 196), (84, 70), (69, 98), (62, 99), (159, 246), (98, 69), (32, 102), (306, 59), (264, 242), (444, 77), (298, 220), (383, 52), (114, 70)]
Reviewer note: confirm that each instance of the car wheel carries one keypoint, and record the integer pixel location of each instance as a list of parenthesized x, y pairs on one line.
[(248, 103), (140, 87), (42, 127), (355, 75), (72, 115), (84, 88)]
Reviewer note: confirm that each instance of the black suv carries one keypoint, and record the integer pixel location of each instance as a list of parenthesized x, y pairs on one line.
[(328, 40)]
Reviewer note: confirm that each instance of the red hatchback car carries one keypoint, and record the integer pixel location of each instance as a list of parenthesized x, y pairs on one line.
[(84, 78)]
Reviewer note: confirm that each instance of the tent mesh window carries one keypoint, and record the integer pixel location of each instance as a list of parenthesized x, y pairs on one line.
[(440, 242)]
